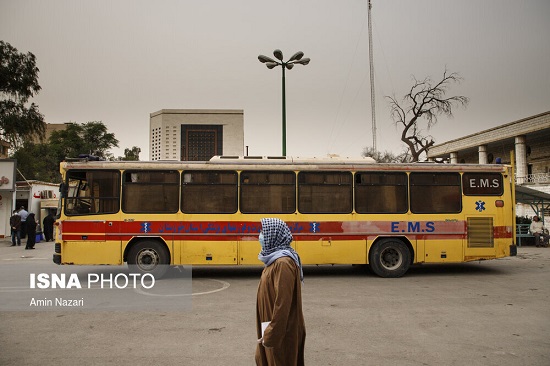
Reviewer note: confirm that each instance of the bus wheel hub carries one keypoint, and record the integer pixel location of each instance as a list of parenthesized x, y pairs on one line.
[(391, 258), (147, 258)]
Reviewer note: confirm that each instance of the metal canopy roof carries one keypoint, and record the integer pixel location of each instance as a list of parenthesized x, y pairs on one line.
[(536, 199)]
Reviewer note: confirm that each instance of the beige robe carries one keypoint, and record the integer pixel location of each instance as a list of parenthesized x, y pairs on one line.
[(280, 301)]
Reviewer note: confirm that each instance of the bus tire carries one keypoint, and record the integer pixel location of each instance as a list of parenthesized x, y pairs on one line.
[(149, 256), (390, 258)]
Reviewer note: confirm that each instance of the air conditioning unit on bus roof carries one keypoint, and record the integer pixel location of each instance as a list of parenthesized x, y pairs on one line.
[(290, 159)]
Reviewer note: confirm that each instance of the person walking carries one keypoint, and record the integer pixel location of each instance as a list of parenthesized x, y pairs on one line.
[(31, 231), (15, 224), (47, 226), (280, 322)]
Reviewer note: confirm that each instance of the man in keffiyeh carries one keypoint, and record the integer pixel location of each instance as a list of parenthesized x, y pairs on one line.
[(279, 300)]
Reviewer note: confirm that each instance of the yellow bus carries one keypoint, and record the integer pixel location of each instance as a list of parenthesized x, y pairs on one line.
[(341, 211)]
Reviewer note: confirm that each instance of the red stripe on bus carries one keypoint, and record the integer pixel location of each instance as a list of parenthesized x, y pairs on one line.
[(231, 231), (223, 238)]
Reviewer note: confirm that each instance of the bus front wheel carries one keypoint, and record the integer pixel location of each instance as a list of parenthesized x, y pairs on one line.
[(149, 257), (390, 258)]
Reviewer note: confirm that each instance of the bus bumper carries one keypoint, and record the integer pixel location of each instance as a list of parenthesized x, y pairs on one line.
[(513, 250)]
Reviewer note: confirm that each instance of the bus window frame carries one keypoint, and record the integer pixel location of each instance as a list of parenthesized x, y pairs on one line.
[(267, 172), (124, 184), (300, 184), (425, 196), (466, 188), (357, 184), (83, 185), (235, 204)]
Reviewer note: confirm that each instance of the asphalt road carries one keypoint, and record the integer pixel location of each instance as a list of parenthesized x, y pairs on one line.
[(482, 313)]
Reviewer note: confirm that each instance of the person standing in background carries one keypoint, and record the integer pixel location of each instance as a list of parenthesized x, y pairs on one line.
[(15, 224), (47, 226), (31, 231), (24, 215)]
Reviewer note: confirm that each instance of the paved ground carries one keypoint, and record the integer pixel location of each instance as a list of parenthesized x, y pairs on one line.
[(482, 313)]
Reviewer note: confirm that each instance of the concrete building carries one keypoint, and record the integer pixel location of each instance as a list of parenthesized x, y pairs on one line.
[(527, 142), (51, 127), (8, 169), (38, 197), (195, 134)]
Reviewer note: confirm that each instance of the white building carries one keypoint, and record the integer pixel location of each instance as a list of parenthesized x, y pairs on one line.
[(8, 170), (195, 134), (35, 196), (526, 141)]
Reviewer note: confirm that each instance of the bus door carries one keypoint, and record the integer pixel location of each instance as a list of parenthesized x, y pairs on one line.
[(90, 229)]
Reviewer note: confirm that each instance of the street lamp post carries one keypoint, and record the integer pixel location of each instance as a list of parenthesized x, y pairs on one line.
[(297, 58)]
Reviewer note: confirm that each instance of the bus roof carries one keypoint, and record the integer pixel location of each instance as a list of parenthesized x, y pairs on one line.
[(289, 163)]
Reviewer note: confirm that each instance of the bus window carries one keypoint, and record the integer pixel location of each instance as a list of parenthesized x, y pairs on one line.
[(209, 192), (92, 192), (268, 192), (435, 193), (482, 184), (325, 192), (150, 191), (380, 192)]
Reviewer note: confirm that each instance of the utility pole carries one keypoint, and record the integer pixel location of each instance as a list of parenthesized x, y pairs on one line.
[(372, 104)]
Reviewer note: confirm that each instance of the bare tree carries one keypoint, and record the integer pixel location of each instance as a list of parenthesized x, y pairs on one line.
[(426, 100), (386, 156)]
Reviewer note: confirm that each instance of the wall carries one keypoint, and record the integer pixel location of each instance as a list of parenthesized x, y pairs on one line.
[(8, 168), (29, 195)]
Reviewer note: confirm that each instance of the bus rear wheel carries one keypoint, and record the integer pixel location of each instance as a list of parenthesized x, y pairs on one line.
[(149, 257), (390, 258)]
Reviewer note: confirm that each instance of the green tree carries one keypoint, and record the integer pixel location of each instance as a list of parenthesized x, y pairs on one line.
[(424, 102), (67, 142), (41, 161), (88, 138), (131, 154), (97, 140), (18, 83), (36, 162)]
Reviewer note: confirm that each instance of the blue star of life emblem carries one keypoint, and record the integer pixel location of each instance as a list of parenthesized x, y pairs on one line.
[(314, 227), (145, 226), (480, 206)]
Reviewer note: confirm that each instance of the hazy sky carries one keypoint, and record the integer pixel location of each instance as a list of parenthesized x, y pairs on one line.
[(117, 61)]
